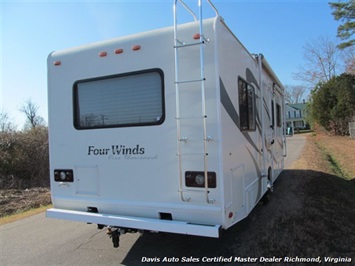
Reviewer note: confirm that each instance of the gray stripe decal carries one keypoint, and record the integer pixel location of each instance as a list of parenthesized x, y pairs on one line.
[(267, 110), (228, 105), (251, 78)]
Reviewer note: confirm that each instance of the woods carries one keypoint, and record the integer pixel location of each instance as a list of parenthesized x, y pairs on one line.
[(24, 159)]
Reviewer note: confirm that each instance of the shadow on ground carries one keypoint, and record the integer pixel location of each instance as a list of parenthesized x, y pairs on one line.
[(310, 214)]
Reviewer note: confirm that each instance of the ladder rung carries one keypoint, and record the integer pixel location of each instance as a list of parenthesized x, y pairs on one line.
[(190, 81), (190, 117), (193, 154), (194, 190), (182, 45)]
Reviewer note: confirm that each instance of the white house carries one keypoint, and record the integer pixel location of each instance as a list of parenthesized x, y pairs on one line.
[(295, 116)]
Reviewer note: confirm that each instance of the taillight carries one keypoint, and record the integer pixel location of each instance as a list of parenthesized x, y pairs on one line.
[(197, 179), (63, 175)]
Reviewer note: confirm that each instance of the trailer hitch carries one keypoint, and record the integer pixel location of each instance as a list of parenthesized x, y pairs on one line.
[(115, 233), (115, 236)]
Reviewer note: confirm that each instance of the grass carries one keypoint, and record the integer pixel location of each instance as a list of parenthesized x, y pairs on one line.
[(334, 165), (24, 214)]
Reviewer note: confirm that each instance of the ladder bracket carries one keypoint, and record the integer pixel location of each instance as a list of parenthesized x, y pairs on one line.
[(209, 138), (179, 42), (204, 40), (184, 139), (211, 201)]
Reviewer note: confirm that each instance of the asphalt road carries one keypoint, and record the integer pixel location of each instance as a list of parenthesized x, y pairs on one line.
[(40, 241), (294, 146)]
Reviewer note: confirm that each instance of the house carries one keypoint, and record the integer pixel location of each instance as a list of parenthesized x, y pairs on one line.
[(295, 116)]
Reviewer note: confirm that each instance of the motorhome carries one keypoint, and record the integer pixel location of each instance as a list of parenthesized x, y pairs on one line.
[(177, 130)]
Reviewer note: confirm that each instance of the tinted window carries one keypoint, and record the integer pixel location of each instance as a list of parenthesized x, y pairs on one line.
[(133, 99), (246, 105), (278, 115)]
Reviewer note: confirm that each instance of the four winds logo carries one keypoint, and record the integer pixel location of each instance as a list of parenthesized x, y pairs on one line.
[(118, 152)]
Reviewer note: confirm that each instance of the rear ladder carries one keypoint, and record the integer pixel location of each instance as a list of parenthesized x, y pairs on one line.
[(181, 140)]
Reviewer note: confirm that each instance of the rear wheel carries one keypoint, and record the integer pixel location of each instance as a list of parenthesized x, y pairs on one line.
[(265, 199)]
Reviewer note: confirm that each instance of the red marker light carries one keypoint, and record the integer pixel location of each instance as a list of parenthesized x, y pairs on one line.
[(136, 47), (118, 51), (57, 63), (197, 36), (102, 54)]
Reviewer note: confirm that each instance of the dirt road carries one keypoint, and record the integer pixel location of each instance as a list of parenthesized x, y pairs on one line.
[(310, 214)]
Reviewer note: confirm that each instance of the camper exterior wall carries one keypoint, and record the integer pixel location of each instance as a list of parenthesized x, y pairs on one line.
[(131, 170), (238, 148), (245, 180)]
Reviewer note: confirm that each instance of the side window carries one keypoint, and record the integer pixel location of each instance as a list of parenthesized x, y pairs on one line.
[(278, 115), (272, 114), (246, 94)]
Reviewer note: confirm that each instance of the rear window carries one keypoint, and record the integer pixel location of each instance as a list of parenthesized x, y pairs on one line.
[(132, 99)]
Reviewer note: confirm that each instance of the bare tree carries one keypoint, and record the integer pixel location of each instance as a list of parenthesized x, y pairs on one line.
[(30, 110), (5, 124), (349, 59), (323, 61), (295, 93)]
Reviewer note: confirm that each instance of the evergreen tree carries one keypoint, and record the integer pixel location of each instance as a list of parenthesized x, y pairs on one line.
[(345, 12), (333, 103)]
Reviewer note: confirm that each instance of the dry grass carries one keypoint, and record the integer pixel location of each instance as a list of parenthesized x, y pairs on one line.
[(341, 150), (14, 201), (22, 215), (313, 214)]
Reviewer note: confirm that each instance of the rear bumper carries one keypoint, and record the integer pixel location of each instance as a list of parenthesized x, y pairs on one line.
[(178, 227)]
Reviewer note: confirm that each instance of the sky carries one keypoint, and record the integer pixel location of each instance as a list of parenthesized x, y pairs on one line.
[(31, 30)]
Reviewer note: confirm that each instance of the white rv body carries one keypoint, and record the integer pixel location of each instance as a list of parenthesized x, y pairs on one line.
[(134, 174)]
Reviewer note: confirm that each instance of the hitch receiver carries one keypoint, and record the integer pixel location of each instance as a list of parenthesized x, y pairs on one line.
[(115, 236)]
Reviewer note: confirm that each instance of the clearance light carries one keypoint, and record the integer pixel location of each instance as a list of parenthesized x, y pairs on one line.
[(57, 63), (102, 54), (118, 51), (197, 179), (197, 36), (136, 47)]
